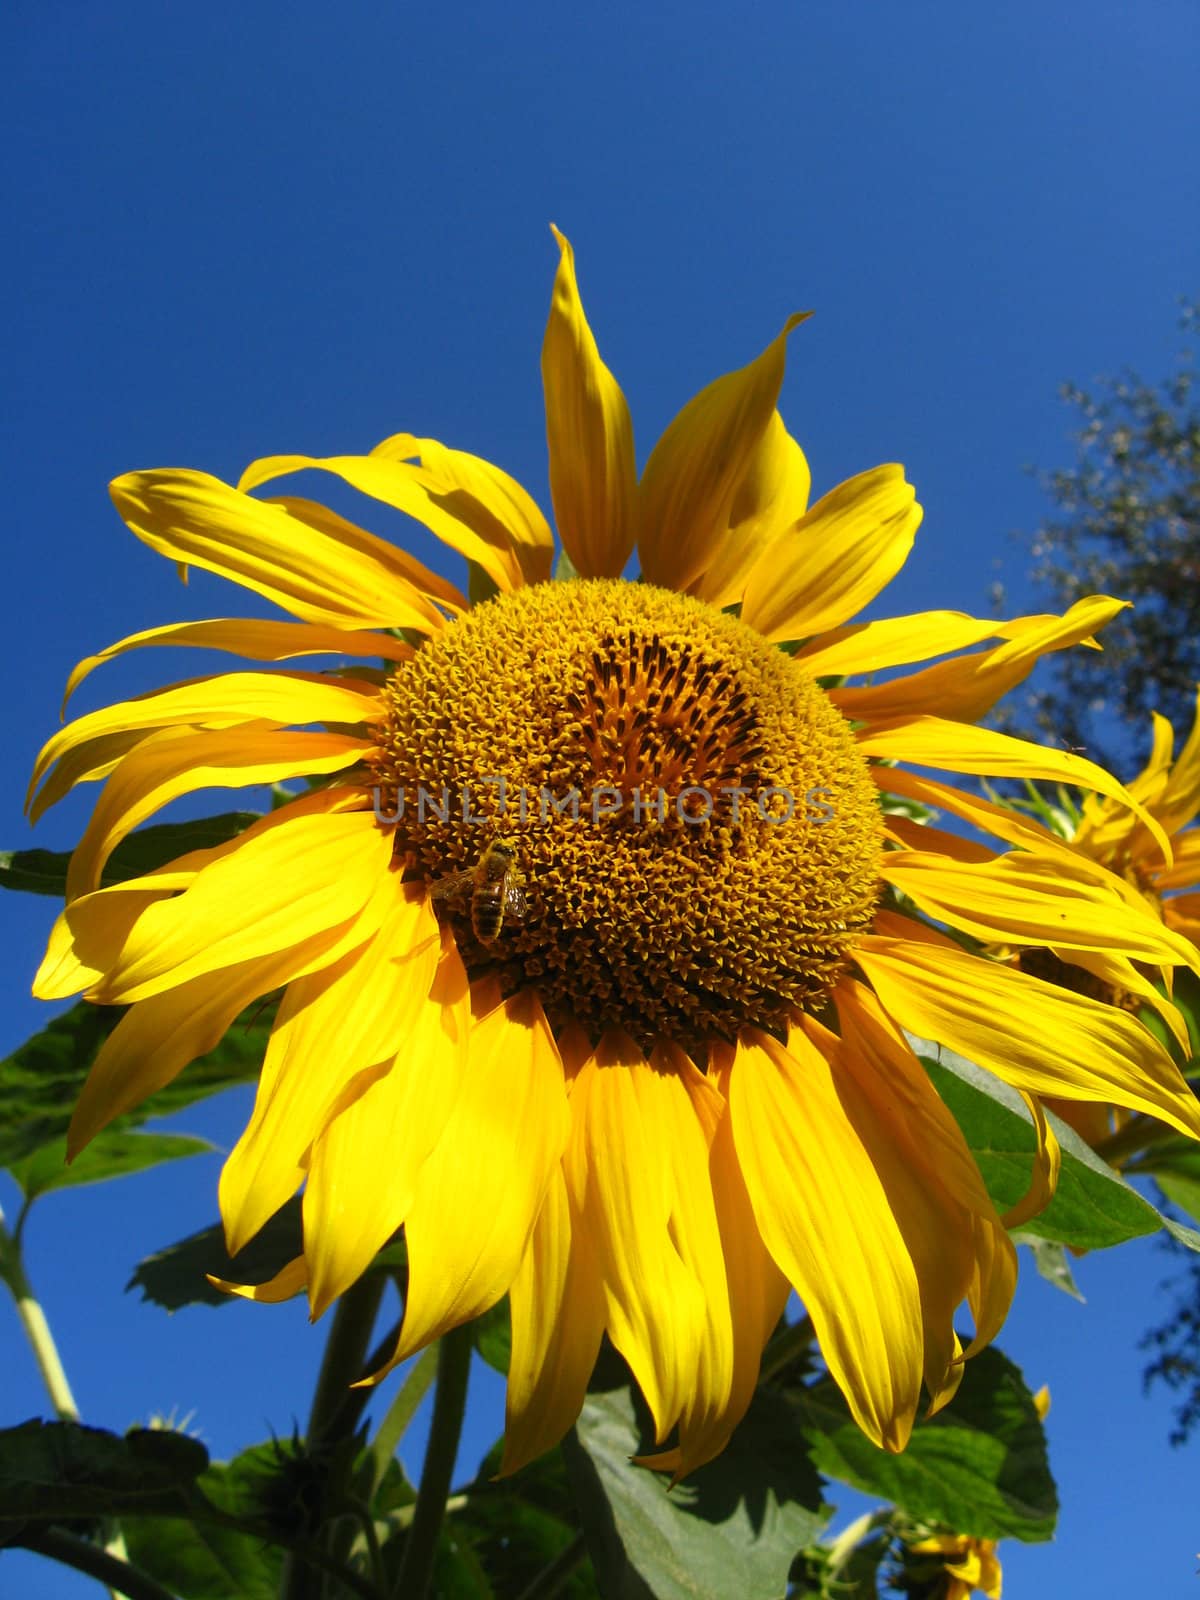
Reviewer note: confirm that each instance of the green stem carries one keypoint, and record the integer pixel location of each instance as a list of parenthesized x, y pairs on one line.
[(450, 1401), (342, 1363), (1140, 1134), (785, 1347), (335, 1408), (552, 1579), (37, 1329), (71, 1551), (400, 1413)]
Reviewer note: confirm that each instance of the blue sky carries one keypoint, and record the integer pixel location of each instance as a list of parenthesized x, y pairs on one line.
[(237, 231)]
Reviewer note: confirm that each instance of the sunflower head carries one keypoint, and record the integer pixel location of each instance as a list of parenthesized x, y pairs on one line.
[(697, 831), (587, 982)]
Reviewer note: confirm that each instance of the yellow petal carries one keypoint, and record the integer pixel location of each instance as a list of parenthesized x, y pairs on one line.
[(278, 698), (692, 1110), (201, 522), (968, 687), (334, 1027), (484, 497), (1034, 1035), (178, 761), (456, 516), (557, 1311), (593, 475), (887, 1071), (274, 892), (622, 1196), (288, 1282), (757, 1295), (1182, 914), (897, 641), (424, 580), (1121, 975), (479, 1193), (836, 559), (377, 1140), (258, 641), (940, 743), (824, 1214), (936, 1230), (87, 764), (694, 472), (1043, 1178), (771, 497), (1023, 899), (157, 1038), (1186, 869), (1179, 801)]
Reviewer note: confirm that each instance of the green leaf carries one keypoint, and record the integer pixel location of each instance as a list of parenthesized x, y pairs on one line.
[(45, 871), (512, 1530), (1094, 1207), (1174, 1164), (565, 570), (57, 1471), (978, 1467), (202, 1561), (732, 1528), (1050, 1258), (41, 1080), (492, 1333), (175, 1277), (110, 1155)]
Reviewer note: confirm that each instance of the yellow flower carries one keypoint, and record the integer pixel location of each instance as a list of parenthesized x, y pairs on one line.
[(1165, 878), (971, 1565), (641, 1069), (1120, 840)]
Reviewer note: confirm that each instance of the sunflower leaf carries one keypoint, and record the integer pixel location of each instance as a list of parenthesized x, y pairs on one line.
[(979, 1467), (45, 871), (58, 1471), (177, 1275), (732, 1528), (110, 1155), (1094, 1206), (1050, 1258), (492, 1333), (510, 1530)]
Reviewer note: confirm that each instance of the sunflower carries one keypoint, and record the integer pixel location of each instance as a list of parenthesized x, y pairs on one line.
[(596, 944), (1166, 879), (969, 1566)]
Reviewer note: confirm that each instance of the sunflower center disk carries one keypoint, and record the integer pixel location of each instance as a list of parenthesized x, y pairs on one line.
[(694, 834)]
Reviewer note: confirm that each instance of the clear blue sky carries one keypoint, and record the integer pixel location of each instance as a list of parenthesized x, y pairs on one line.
[(241, 230)]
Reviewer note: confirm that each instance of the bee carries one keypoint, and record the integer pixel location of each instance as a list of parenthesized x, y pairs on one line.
[(494, 886)]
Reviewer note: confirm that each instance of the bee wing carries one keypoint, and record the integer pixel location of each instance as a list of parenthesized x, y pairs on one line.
[(454, 885), (516, 901)]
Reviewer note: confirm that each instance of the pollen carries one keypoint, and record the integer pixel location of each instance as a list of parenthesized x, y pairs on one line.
[(695, 832)]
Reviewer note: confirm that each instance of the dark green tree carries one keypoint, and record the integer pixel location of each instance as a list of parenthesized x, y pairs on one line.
[(1126, 522)]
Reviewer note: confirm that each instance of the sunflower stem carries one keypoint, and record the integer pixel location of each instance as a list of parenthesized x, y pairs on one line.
[(399, 1414), (1140, 1134), (120, 1577), (785, 1348), (37, 1329), (554, 1577), (335, 1412), (449, 1405)]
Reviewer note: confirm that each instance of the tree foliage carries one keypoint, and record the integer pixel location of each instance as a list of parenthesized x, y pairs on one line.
[(1126, 522)]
